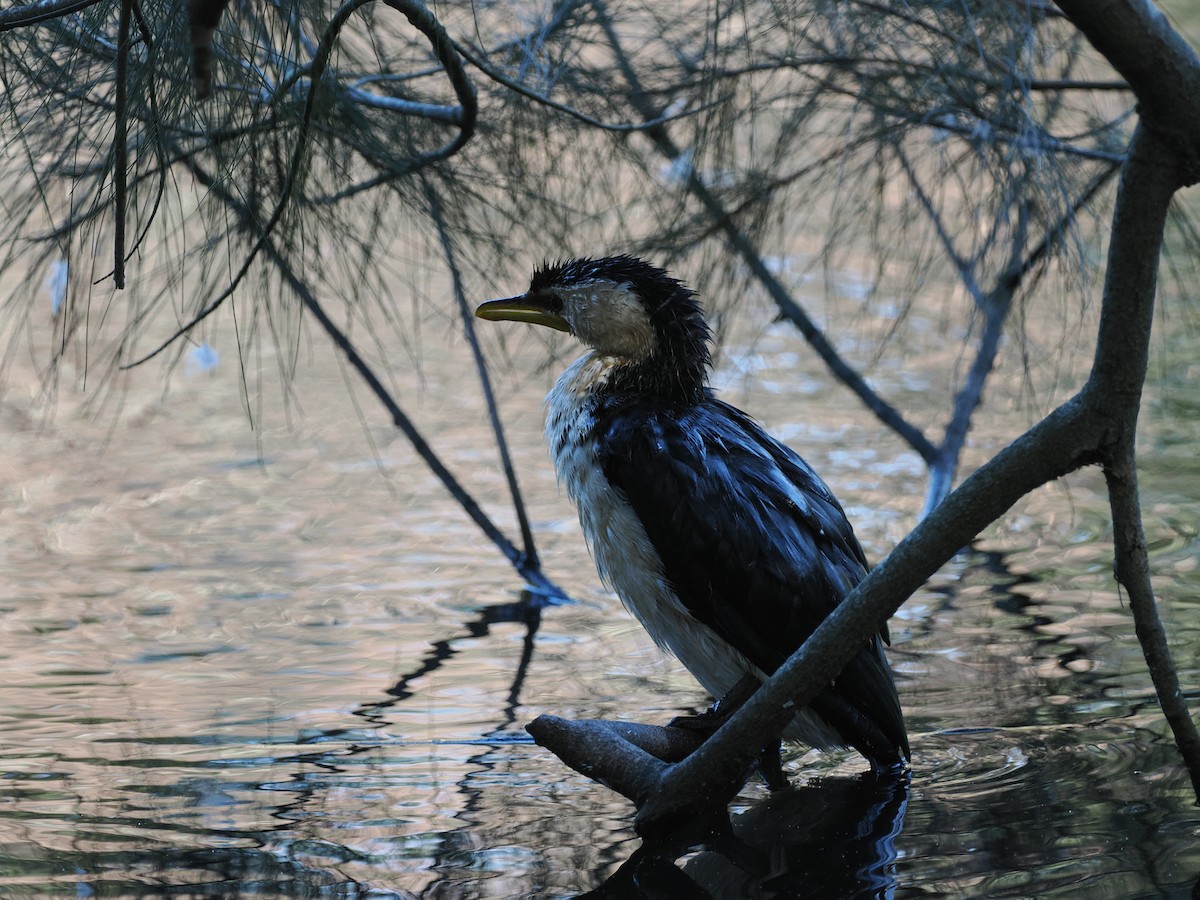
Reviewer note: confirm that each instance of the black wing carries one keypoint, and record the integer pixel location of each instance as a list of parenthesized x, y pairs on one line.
[(752, 541)]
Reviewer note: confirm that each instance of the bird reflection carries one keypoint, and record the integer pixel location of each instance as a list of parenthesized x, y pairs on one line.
[(835, 838)]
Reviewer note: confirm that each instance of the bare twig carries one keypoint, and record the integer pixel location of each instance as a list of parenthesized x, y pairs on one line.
[(421, 18), (485, 381), (541, 99), (120, 146), (44, 11), (526, 567), (543, 590)]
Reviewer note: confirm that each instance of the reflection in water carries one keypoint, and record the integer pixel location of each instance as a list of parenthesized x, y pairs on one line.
[(989, 808), (836, 838), (296, 677), (527, 610), (277, 860), (449, 850)]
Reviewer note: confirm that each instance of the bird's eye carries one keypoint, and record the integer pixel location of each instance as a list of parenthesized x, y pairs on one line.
[(551, 302)]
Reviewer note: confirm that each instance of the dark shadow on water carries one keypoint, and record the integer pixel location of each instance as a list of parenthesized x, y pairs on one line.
[(835, 838)]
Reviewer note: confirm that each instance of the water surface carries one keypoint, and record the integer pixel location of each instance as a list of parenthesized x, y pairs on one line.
[(279, 660)]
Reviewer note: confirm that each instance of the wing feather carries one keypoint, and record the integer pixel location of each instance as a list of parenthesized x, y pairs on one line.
[(751, 540)]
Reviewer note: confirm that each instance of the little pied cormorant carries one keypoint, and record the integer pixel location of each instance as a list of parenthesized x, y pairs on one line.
[(723, 542)]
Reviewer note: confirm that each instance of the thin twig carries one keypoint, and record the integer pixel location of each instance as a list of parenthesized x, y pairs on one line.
[(520, 561), (994, 305), (542, 100), (543, 590), (424, 21), (316, 69), (485, 381), (20, 16), (121, 145), (447, 53)]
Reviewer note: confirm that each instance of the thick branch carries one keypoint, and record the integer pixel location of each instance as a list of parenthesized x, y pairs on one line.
[(664, 742), (1159, 64), (1148, 182), (591, 747), (424, 21), (1084, 430)]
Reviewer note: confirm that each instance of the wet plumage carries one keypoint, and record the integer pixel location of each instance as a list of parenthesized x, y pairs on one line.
[(721, 540)]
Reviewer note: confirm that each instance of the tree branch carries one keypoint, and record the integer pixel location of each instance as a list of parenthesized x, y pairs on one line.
[(1097, 425), (1132, 569), (21, 16), (121, 144), (528, 568), (597, 749), (485, 381), (543, 589), (1088, 428), (1148, 182), (424, 21), (1159, 64)]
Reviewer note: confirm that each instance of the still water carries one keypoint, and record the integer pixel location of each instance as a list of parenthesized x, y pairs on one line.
[(268, 655)]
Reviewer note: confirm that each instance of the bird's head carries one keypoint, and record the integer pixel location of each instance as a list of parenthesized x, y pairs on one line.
[(626, 309)]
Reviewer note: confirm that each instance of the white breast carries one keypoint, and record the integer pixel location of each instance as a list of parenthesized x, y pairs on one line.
[(625, 557)]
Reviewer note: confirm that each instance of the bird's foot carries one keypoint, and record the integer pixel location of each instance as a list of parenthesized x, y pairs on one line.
[(707, 722), (717, 714), (891, 770), (769, 765)]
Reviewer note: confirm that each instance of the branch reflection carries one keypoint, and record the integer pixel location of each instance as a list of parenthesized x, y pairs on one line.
[(527, 609)]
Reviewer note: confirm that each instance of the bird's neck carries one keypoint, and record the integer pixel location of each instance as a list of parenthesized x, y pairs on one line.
[(655, 378), (675, 371)]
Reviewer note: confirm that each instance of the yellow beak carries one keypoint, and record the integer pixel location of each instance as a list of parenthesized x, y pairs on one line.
[(520, 309)]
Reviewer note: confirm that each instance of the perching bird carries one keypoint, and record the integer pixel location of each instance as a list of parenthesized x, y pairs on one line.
[(723, 542)]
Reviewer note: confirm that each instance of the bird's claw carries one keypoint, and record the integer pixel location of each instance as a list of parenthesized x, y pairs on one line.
[(768, 764), (708, 721)]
